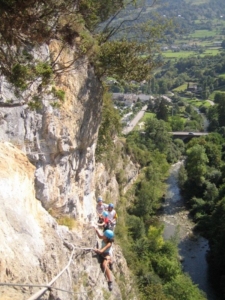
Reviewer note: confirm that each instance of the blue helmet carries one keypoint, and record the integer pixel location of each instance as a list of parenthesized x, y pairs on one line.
[(109, 234), (99, 198), (111, 205), (105, 214)]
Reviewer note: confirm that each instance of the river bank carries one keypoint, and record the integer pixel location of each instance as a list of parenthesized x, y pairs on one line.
[(192, 247)]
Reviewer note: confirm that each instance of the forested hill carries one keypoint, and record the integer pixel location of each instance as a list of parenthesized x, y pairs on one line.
[(194, 9), (183, 12)]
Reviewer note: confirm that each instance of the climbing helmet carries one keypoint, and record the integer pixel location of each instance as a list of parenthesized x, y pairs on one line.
[(105, 214), (99, 198), (109, 234)]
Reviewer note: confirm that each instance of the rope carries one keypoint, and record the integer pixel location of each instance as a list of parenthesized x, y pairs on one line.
[(37, 285), (42, 291), (91, 249), (48, 287), (33, 285)]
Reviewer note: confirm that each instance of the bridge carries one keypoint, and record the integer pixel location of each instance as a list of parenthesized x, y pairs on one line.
[(184, 135)]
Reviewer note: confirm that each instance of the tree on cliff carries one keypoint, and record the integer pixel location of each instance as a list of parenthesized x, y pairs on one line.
[(110, 127), (26, 24)]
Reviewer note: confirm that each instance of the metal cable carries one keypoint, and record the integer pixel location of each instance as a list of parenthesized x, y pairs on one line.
[(47, 287), (33, 285), (42, 291)]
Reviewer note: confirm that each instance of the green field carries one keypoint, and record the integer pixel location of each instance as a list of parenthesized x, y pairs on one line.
[(181, 88), (211, 96), (146, 116), (181, 54), (197, 2), (210, 52), (222, 75), (197, 103), (203, 33), (184, 54)]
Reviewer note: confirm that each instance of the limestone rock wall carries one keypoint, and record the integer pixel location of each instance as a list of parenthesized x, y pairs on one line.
[(110, 184), (47, 161), (60, 142), (34, 248)]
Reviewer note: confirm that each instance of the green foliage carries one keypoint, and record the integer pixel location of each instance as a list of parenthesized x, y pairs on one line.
[(44, 21), (205, 164), (136, 149), (148, 191), (59, 94), (182, 176), (169, 248), (223, 44), (180, 145), (162, 112), (19, 76), (149, 200), (35, 104), (67, 221), (154, 261), (123, 60), (214, 175), (217, 243), (95, 12), (155, 238), (153, 292), (182, 288), (211, 192), (157, 133), (215, 138), (198, 208), (213, 153), (120, 177), (136, 227), (7, 3), (44, 70), (196, 163), (157, 137), (167, 268), (109, 128), (177, 123), (221, 110)]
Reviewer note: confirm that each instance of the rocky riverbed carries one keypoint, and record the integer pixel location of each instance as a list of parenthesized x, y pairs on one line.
[(192, 246)]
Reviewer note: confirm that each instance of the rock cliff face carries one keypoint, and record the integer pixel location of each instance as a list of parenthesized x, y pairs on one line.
[(34, 248), (47, 159), (59, 142)]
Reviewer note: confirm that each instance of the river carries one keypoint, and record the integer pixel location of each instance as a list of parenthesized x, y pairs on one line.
[(192, 247)]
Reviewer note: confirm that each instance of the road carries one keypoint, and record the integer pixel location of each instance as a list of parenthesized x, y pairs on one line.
[(135, 120)]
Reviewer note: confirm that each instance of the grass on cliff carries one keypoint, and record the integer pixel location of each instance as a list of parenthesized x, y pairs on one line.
[(67, 221), (61, 219)]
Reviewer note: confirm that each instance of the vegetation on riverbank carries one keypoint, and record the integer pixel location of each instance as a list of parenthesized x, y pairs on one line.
[(202, 183), (154, 262), (192, 79)]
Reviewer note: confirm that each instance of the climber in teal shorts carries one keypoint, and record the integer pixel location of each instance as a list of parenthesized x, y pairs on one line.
[(104, 252)]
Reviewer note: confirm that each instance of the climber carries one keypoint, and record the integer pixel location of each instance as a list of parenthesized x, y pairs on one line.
[(103, 220), (105, 255), (100, 207), (112, 216)]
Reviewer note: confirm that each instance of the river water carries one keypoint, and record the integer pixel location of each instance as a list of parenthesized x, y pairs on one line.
[(192, 247)]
